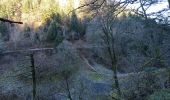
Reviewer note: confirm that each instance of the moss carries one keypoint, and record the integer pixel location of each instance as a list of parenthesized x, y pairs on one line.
[(114, 95), (96, 76)]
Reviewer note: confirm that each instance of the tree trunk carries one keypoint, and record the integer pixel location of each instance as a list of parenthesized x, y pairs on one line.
[(33, 76), (169, 3), (114, 68), (68, 88), (117, 83)]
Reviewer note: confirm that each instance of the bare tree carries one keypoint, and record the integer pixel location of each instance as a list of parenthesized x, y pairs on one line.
[(68, 65), (109, 13)]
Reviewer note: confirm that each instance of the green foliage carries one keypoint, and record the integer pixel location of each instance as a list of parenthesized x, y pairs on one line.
[(95, 76), (54, 33), (77, 26), (74, 22), (53, 28), (160, 95)]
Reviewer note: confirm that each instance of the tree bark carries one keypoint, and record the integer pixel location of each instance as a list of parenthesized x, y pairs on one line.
[(114, 67)]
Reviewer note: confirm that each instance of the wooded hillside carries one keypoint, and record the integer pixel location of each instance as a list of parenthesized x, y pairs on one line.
[(84, 50)]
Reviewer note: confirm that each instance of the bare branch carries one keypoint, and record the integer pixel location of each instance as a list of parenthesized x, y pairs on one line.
[(9, 21), (93, 3), (85, 5)]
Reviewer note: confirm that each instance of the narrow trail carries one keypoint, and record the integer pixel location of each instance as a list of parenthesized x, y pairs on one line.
[(100, 69), (90, 67)]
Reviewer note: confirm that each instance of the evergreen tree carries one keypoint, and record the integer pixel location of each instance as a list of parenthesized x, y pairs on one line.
[(54, 33), (74, 22)]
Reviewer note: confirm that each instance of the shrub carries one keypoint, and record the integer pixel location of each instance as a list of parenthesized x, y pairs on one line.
[(58, 40), (163, 94), (140, 47), (147, 85), (1, 45), (69, 61), (27, 31), (68, 65)]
